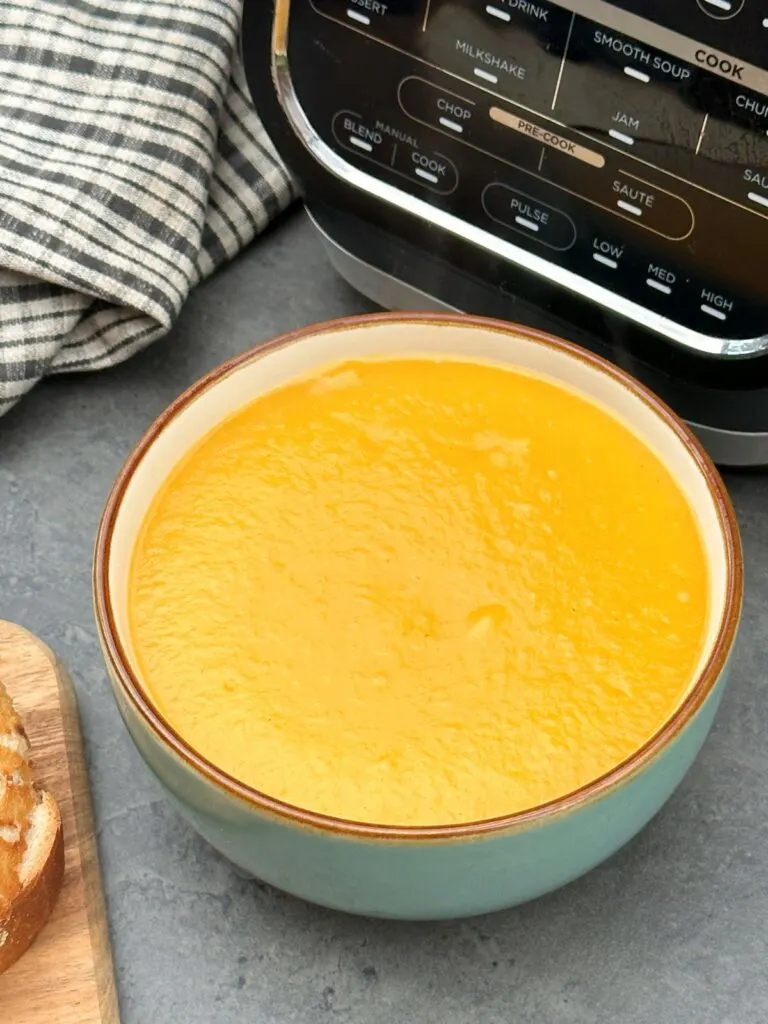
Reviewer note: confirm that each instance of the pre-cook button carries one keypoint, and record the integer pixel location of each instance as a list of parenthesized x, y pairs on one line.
[(549, 138), (528, 216), (351, 131), (436, 107), (653, 207), (433, 170)]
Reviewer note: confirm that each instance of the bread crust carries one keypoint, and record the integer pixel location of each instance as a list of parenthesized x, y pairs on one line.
[(31, 876), (31, 908)]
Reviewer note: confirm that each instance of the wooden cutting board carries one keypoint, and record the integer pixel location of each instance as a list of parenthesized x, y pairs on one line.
[(67, 976)]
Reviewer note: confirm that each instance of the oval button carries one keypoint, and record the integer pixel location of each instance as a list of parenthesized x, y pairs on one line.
[(355, 134), (720, 9), (436, 107), (653, 207), (433, 170), (528, 215)]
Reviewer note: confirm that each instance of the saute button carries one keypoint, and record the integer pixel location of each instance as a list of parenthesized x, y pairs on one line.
[(351, 132), (433, 170), (529, 216), (737, 164), (653, 207)]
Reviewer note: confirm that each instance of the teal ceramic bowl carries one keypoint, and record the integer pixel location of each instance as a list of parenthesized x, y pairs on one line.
[(411, 872)]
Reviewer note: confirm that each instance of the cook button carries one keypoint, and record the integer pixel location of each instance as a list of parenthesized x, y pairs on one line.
[(529, 216), (354, 134), (438, 108), (653, 207), (433, 170)]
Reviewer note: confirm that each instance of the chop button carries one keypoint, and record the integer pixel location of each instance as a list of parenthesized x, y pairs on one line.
[(650, 206), (447, 111), (528, 216)]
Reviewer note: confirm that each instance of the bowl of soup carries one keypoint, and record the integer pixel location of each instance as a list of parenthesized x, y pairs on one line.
[(418, 616)]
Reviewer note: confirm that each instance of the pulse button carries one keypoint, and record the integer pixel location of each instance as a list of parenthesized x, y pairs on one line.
[(528, 216)]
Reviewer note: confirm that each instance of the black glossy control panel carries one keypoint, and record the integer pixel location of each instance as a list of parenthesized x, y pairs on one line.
[(632, 152)]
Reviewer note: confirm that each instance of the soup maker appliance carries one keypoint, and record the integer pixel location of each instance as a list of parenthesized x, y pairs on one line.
[(599, 170)]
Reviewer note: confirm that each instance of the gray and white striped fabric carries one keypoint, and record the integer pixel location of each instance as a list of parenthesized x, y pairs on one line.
[(132, 165)]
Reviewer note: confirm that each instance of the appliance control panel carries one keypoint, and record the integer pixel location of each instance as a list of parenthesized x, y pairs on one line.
[(621, 145)]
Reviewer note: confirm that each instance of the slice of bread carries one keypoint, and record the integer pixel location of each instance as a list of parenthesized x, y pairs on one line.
[(31, 843)]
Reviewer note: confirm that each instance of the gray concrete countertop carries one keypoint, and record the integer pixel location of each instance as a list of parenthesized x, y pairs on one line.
[(673, 930)]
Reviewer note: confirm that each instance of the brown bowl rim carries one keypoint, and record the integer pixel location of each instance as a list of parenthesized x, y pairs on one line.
[(699, 691)]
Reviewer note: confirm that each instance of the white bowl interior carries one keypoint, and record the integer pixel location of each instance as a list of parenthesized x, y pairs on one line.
[(406, 338)]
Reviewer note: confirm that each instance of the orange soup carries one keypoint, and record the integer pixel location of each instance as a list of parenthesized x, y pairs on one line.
[(418, 591)]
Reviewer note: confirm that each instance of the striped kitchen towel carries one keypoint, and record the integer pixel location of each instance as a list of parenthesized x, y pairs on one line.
[(132, 165)]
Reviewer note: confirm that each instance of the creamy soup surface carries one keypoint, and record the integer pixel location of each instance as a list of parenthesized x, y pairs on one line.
[(418, 591)]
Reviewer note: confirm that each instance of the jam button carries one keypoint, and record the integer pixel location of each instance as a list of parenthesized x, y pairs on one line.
[(353, 133), (528, 216), (609, 89), (430, 169), (438, 108), (652, 207)]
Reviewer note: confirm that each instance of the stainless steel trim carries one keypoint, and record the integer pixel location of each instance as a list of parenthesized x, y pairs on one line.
[(728, 448), (382, 191), (732, 449), (382, 288)]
